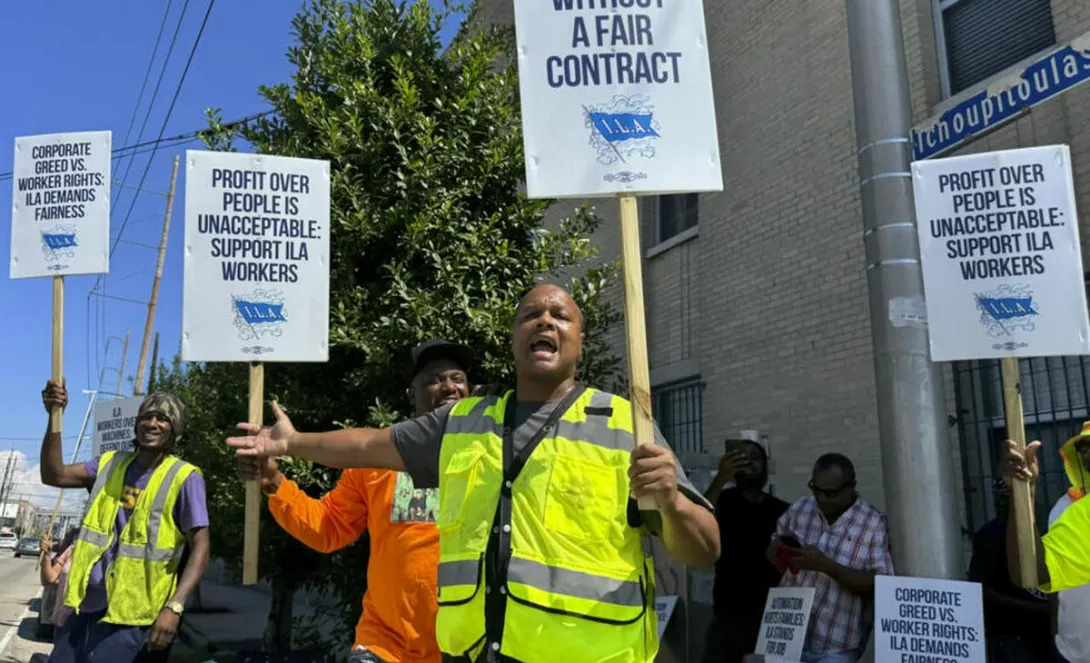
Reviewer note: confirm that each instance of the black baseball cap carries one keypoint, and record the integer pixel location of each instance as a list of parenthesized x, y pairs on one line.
[(438, 348)]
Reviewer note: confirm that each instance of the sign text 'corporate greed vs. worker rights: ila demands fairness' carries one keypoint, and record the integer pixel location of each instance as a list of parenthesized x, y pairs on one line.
[(999, 245), (257, 258)]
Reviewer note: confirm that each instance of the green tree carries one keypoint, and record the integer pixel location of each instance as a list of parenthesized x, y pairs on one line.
[(431, 236)]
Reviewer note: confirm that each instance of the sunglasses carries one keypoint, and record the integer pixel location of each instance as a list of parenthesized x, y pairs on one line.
[(829, 494)]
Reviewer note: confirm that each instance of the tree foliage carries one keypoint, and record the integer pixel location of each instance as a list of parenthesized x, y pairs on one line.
[(431, 236)]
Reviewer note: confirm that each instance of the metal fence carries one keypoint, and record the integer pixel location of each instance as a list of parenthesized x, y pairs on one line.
[(678, 409), (1055, 396)]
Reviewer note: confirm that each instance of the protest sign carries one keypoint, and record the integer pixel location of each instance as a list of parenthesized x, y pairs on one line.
[(999, 245), (115, 425), (616, 97), (60, 205), (783, 626), (256, 258), (925, 619)]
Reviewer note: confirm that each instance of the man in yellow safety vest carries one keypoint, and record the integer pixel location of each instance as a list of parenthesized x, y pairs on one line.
[(543, 554), (146, 506)]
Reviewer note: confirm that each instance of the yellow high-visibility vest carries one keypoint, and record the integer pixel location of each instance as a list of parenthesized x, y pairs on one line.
[(578, 585), (144, 575)]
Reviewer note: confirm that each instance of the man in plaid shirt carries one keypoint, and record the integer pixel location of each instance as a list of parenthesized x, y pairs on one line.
[(836, 543)]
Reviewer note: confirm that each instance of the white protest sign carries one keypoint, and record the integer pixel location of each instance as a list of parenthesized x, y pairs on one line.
[(616, 97), (664, 609), (60, 205), (999, 244), (115, 425), (256, 258), (783, 626), (924, 619)]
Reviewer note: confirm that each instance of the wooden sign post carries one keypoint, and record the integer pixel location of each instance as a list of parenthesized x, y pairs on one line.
[(639, 375), (251, 542), (269, 308), (1021, 494), (56, 372)]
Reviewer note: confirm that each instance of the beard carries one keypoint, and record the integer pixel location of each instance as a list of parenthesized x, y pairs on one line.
[(751, 481)]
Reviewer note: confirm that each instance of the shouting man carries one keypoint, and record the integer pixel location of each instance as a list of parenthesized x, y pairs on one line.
[(541, 554)]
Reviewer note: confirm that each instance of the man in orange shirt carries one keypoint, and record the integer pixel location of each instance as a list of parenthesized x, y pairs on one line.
[(398, 620)]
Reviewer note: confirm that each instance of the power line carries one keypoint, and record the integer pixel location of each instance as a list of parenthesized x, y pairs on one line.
[(147, 73), (166, 119)]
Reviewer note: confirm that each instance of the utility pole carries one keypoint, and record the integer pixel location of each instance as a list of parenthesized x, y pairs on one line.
[(154, 363), (917, 467), (138, 386), (6, 485), (121, 370)]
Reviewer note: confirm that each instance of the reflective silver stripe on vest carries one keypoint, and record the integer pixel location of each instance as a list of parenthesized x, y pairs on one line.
[(595, 430), (474, 420), (94, 538), (150, 552), (575, 583), (458, 573)]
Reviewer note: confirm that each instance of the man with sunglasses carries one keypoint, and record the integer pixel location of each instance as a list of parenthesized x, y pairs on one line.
[(398, 620), (835, 543)]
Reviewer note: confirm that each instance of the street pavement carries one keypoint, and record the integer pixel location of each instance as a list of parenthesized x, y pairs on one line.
[(19, 598)]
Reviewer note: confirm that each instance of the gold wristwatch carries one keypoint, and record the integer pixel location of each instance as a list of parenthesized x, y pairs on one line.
[(176, 608)]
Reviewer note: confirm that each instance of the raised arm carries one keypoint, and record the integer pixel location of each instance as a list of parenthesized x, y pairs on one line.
[(350, 447), (54, 471)]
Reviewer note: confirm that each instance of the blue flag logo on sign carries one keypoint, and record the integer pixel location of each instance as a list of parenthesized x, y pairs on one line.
[(57, 241), (259, 316), (621, 130), (1009, 308), (616, 127), (256, 313)]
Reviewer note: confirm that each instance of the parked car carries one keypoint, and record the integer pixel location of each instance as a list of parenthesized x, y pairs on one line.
[(28, 546), (8, 541)]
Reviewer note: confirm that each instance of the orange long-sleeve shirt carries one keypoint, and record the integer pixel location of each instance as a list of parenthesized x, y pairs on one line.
[(398, 621)]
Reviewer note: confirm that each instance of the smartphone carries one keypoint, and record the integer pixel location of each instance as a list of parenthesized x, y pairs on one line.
[(790, 541)]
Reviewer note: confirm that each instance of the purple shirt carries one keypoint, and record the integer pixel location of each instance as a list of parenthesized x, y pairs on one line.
[(190, 512)]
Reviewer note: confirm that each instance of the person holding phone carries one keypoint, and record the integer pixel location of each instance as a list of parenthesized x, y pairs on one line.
[(836, 543), (747, 516)]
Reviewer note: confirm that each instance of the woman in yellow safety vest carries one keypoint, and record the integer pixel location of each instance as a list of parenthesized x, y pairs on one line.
[(543, 555)]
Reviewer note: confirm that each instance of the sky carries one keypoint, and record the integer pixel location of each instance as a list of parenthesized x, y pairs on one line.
[(74, 66)]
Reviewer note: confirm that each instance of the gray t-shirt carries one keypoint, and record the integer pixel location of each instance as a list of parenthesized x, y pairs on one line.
[(418, 442)]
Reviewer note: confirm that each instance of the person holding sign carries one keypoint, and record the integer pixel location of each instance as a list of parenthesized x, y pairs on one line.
[(534, 503), (125, 584), (1063, 555), (1072, 639), (836, 543), (398, 620)]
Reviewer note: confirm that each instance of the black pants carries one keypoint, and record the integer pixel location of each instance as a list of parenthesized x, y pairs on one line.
[(730, 637)]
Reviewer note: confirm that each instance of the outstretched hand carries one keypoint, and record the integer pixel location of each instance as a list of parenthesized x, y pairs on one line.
[(268, 441), (1021, 466)]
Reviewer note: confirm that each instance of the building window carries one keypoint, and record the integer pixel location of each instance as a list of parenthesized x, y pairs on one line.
[(678, 410), (677, 213), (980, 38)]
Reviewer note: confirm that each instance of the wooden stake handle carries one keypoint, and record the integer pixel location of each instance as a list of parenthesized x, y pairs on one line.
[(635, 328), (1024, 519), (251, 541), (52, 522), (57, 369)]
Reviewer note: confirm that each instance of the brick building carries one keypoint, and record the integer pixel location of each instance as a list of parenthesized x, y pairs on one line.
[(756, 296)]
